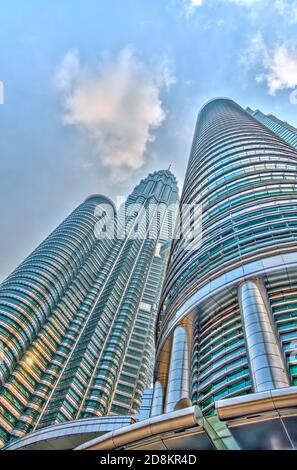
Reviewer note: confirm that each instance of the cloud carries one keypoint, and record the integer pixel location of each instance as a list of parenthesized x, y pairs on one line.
[(68, 70), (277, 66), (252, 54), (286, 8), (117, 106), (191, 5), (245, 3), (280, 67)]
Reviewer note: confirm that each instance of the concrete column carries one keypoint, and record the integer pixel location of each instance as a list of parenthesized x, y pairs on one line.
[(178, 378), (267, 365)]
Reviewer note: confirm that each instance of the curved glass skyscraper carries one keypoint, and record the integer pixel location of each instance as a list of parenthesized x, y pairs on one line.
[(228, 320), (43, 305), (78, 315)]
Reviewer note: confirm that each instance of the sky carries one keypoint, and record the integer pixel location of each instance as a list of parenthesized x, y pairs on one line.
[(98, 93)]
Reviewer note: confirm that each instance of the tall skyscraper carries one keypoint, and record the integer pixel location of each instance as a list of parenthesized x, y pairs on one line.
[(78, 315), (280, 128), (229, 315)]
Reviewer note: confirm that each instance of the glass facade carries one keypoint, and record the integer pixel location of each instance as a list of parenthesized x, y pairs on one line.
[(241, 180), (78, 315), (280, 128)]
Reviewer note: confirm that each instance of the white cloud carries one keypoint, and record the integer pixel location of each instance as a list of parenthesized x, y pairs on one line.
[(277, 65), (245, 3), (280, 67), (117, 106), (68, 70), (252, 53), (286, 8), (191, 5)]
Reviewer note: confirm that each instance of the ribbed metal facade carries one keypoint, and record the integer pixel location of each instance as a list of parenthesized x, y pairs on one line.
[(280, 128), (232, 279), (78, 315)]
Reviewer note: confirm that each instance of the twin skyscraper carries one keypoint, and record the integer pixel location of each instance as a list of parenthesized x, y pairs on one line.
[(78, 315), (127, 325)]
